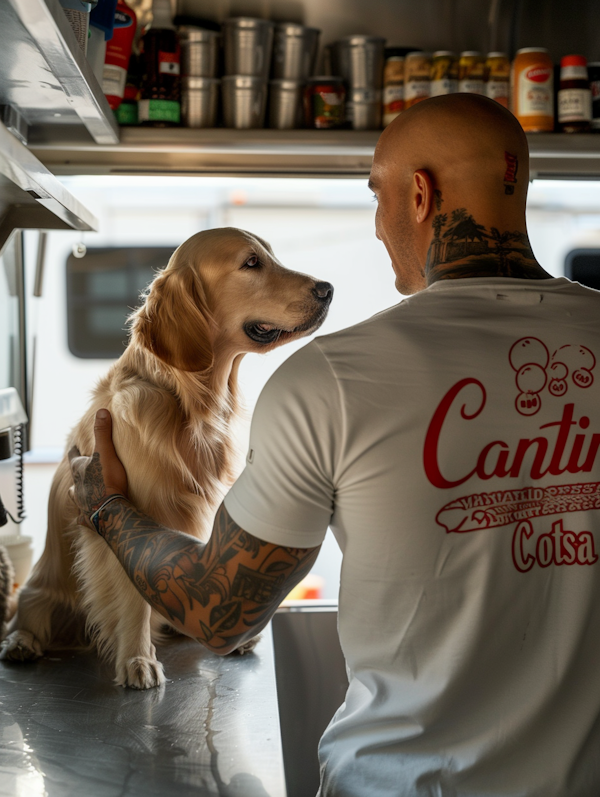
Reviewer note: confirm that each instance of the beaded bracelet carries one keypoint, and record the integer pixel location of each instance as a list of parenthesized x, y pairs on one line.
[(94, 517)]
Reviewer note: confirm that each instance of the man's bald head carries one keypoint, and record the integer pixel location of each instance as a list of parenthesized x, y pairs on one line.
[(458, 137), (465, 150)]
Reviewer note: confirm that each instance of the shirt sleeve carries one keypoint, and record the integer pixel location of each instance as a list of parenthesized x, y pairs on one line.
[(285, 493)]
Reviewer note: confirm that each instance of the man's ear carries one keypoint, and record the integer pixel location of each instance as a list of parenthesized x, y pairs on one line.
[(174, 323), (423, 195)]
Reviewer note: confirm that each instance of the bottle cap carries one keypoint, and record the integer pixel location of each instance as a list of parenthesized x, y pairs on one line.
[(573, 60), (162, 14), (532, 50)]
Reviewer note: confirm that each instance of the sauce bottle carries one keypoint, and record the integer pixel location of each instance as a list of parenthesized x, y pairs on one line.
[(118, 52), (393, 85), (574, 95), (532, 89), (160, 90)]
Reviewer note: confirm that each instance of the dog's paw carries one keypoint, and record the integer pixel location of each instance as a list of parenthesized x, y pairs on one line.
[(20, 646), (140, 673), (247, 647)]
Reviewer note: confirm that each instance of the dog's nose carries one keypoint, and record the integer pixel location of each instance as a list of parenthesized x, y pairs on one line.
[(323, 291)]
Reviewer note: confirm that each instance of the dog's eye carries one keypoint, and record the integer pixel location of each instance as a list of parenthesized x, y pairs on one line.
[(252, 262)]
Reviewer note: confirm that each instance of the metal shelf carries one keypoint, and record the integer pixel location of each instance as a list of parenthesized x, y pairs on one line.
[(306, 153), (31, 197), (44, 73), (216, 151)]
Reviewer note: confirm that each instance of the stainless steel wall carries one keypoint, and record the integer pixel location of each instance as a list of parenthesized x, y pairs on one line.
[(562, 27)]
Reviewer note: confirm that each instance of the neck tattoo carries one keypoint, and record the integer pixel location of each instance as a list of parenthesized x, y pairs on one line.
[(463, 248)]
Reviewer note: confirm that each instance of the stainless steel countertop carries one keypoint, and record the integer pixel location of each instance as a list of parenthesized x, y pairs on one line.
[(67, 731)]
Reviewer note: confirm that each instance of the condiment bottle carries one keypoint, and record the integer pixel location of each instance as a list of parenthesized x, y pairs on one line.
[(417, 78), (574, 95), (118, 53), (532, 89), (497, 77), (127, 112), (471, 72), (444, 73), (160, 91), (393, 84)]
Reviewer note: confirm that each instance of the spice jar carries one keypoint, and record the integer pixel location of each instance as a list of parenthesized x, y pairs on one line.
[(497, 76), (393, 84), (574, 95)]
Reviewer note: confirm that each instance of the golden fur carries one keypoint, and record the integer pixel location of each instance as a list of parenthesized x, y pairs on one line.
[(173, 397)]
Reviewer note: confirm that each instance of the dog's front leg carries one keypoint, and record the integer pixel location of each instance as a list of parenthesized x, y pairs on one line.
[(118, 618)]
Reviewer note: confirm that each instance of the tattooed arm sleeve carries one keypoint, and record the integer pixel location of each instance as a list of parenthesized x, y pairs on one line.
[(222, 592)]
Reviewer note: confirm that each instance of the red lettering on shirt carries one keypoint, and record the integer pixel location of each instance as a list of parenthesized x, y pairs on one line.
[(498, 459), (557, 547)]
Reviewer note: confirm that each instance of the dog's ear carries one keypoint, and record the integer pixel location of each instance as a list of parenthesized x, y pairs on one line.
[(174, 323)]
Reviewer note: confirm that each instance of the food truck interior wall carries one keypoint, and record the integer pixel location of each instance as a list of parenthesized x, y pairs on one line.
[(506, 25)]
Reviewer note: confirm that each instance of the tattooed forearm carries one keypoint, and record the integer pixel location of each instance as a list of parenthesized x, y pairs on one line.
[(222, 592)]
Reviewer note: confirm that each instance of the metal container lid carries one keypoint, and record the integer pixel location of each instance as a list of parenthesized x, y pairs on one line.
[(191, 33), (358, 41), (471, 54), (287, 85), (191, 83), (244, 81), (294, 29), (418, 54), (248, 22), (497, 55), (440, 53)]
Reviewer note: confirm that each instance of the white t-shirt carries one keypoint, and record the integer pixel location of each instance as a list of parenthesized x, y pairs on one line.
[(451, 443)]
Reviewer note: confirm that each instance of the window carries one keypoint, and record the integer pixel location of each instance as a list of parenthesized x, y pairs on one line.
[(103, 287), (583, 265)]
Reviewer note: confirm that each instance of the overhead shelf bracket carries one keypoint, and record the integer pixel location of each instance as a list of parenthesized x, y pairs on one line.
[(31, 197)]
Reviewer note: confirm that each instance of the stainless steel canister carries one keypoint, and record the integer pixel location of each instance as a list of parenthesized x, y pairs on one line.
[(363, 109), (199, 101), (285, 104), (244, 101), (199, 51), (359, 60), (248, 44), (294, 51)]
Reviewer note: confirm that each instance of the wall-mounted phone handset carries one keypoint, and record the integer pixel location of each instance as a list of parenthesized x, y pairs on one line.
[(12, 422)]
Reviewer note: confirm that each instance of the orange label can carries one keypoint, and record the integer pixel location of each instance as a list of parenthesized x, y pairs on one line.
[(532, 90)]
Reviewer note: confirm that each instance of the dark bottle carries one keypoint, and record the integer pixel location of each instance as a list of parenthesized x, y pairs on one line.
[(160, 91), (574, 96)]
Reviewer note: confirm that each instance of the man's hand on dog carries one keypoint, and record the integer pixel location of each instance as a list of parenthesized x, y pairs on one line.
[(98, 477)]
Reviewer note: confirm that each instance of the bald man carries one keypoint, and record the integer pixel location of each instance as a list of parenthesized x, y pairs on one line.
[(451, 443)]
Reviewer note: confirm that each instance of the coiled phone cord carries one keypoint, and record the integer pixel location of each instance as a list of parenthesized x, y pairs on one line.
[(18, 444)]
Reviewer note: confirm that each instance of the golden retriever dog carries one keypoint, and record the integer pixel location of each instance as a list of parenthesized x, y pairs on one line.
[(173, 398)]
